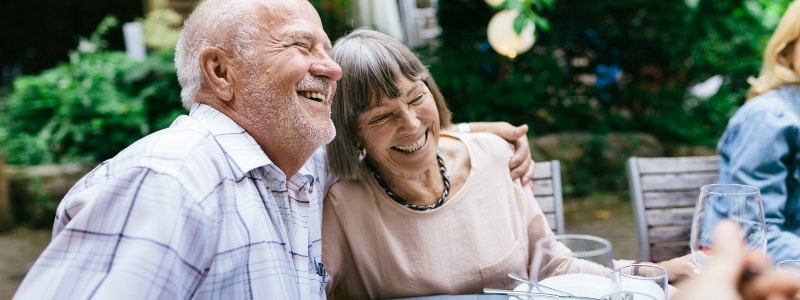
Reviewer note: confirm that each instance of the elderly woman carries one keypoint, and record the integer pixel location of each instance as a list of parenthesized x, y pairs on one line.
[(417, 210)]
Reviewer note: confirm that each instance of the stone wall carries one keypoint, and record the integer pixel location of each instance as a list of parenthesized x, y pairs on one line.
[(34, 192), (615, 147), (6, 217)]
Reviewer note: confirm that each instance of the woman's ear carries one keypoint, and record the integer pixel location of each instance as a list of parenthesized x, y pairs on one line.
[(217, 72), (360, 149)]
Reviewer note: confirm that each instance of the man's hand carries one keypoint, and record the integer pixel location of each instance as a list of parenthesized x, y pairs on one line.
[(521, 164)]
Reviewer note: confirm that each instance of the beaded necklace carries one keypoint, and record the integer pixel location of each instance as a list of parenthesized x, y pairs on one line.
[(404, 202)]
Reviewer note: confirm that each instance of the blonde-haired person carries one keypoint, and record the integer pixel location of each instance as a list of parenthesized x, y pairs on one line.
[(419, 211), (778, 67), (761, 144)]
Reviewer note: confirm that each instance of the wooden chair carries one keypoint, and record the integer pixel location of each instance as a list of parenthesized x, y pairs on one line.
[(547, 190), (664, 191)]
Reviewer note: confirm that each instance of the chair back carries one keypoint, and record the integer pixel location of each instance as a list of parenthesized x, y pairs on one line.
[(547, 190), (664, 191)]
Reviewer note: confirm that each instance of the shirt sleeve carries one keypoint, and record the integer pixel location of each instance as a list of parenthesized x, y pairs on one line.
[(755, 149), (137, 234), (337, 255)]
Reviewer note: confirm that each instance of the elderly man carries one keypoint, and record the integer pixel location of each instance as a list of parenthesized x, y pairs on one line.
[(226, 202)]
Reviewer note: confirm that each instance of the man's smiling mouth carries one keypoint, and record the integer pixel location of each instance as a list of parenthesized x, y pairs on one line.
[(319, 97)]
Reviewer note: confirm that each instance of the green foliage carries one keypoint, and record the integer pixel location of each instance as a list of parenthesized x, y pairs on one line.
[(662, 48), (527, 13), (334, 16), (89, 108), (75, 108)]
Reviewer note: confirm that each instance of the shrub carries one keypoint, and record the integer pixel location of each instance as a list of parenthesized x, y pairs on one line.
[(89, 108)]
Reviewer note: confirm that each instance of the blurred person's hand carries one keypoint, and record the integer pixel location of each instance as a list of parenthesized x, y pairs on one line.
[(737, 273)]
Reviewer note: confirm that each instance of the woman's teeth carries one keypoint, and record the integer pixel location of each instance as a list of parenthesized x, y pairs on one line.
[(415, 146)]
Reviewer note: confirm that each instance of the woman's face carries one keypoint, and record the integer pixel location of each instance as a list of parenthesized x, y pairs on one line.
[(401, 135)]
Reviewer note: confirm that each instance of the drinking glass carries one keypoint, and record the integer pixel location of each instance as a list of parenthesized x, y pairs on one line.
[(623, 295), (789, 266), (645, 279), (736, 202), (575, 264)]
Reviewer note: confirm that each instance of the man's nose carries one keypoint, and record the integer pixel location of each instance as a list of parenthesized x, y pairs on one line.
[(327, 67)]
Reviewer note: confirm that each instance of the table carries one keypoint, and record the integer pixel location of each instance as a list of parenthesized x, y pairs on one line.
[(458, 297)]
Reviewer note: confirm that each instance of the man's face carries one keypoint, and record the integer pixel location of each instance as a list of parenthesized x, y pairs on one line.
[(288, 86)]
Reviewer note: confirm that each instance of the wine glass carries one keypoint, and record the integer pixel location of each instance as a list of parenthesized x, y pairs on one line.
[(573, 264), (623, 295), (789, 266), (645, 279), (735, 202)]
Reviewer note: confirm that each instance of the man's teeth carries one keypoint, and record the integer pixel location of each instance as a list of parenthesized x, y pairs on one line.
[(415, 146), (313, 96)]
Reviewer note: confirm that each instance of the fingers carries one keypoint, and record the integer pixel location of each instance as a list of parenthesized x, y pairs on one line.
[(728, 262), (524, 171), (528, 177), (771, 285), (678, 268), (521, 160)]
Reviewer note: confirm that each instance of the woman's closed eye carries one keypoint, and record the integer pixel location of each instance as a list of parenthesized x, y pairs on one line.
[(379, 118), (417, 100)]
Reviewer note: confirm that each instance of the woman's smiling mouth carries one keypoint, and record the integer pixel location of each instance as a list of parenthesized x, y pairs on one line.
[(415, 146)]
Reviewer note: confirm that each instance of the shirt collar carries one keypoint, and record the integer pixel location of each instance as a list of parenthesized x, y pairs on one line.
[(240, 148)]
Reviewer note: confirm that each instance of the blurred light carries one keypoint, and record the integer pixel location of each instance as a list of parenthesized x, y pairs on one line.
[(494, 3), (502, 37), (708, 88)]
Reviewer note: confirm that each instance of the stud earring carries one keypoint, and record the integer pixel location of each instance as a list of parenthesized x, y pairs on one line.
[(362, 152)]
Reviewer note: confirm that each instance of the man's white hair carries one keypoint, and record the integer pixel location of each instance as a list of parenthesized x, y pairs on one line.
[(231, 25)]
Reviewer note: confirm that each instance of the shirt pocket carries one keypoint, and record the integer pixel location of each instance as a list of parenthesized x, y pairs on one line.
[(515, 260)]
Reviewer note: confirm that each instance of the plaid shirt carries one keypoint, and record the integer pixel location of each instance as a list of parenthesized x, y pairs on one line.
[(195, 211)]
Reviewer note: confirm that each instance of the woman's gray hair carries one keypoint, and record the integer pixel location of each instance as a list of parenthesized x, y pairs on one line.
[(229, 25), (370, 60)]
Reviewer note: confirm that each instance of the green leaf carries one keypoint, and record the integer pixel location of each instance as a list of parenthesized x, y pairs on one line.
[(514, 5), (541, 23), (519, 23)]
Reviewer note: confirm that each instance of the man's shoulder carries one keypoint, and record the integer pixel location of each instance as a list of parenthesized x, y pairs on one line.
[(177, 142), (174, 150)]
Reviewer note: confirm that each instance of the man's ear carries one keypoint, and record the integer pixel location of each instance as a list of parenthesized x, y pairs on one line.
[(217, 72)]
